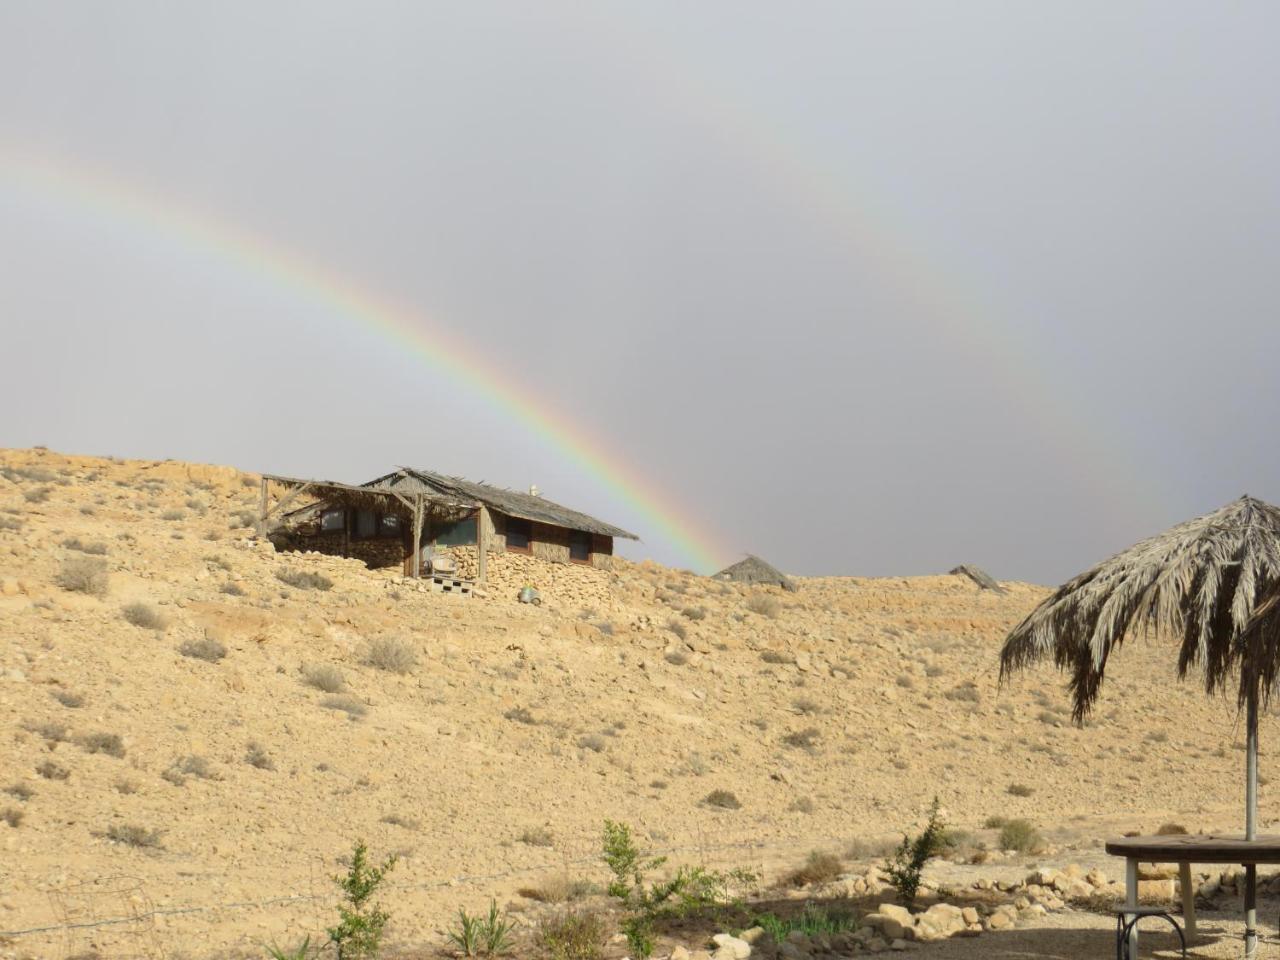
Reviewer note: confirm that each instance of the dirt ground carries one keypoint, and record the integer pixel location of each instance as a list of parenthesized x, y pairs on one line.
[(833, 716)]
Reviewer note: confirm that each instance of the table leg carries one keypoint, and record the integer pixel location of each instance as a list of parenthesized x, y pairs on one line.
[(1131, 896), (1188, 900), (1250, 910)]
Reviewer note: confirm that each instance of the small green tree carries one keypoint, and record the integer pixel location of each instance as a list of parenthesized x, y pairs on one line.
[(359, 931), (907, 863)]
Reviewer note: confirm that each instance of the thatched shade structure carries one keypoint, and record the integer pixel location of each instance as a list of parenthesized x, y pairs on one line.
[(753, 570), (1213, 584)]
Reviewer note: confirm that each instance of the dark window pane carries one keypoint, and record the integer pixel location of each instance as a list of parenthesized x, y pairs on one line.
[(579, 545), (366, 523), (332, 520), (518, 534), (390, 526), (459, 534)]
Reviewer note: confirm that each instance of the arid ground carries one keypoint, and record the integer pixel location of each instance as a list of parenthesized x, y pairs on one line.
[(192, 733)]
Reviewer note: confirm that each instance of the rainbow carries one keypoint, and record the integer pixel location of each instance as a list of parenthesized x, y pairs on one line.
[(54, 180)]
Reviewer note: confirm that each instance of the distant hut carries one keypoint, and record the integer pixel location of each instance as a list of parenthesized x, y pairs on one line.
[(755, 571)]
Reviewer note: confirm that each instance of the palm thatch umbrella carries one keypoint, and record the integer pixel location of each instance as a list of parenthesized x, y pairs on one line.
[(1213, 583)]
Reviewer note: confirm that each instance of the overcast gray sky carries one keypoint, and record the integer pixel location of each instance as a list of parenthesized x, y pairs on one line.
[(864, 288)]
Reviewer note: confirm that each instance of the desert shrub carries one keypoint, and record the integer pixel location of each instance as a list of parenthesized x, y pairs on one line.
[(242, 518), (86, 575), (645, 903), (1020, 790), (1171, 830), (53, 732), (20, 790), (805, 739), (74, 543), (352, 707), (934, 670), (399, 820), (324, 678), (818, 867), (1020, 835), (776, 656), (694, 613), (232, 589), (189, 766), (678, 628), (482, 935), (10, 523), (304, 579), (256, 756), (12, 816), (206, 648), (906, 681), (392, 655), (593, 741), (906, 865), (537, 837), (814, 920), (126, 787), (109, 743), (140, 615), (806, 705), (965, 693), (358, 933), (677, 658), (521, 715), (68, 699), (573, 935), (802, 805), (52, 771), (764, 605), (1157, 736), (172, 515), (995, 822), (37, 494), (134, 835), (724, 799), (560, 889)]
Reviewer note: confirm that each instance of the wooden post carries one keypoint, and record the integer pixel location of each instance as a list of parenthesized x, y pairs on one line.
[(482, 543), (1131, 898), (262, 509), (417, 536), (1188, 901)]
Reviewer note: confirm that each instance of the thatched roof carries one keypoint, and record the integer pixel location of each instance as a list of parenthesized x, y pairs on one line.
[(526, 506), (755, 570), (1204, 582)]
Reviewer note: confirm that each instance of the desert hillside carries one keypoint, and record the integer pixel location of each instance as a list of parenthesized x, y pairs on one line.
[(182, 705)]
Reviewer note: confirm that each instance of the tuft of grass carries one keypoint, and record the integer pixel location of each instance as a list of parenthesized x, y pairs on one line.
[(256, 756), (10, 523), (53, 771), (352, 707), (74, 543), (68, 699), (723, 799), (806, 706), (818, 867), (965, 693), (109, 743), (560, 889), (521, 715), (87, 575), (995, 822), (206, 648), (694, 613), (1172, 830), (172, 515), (232, 589), (776, 656), (397, 820), (37, 494), (537, 837), (593, 741), (21, 791), (573, 935), (134, 835), (192, 765), (764, 605), (140, 615), (324, 678), (813, 921), (678, 628), (304, 579), (126, 787), (392, 655), (12, 816), (805, 739), (53, 732), (1020, 835), (1019, 790)]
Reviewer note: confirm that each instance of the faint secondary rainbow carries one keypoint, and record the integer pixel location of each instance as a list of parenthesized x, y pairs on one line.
[(53, 179)]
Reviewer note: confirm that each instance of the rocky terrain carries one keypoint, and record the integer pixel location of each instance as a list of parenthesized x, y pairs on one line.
[(194, 729)]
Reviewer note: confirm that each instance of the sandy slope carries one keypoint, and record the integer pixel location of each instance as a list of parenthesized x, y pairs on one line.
[(895, 679)]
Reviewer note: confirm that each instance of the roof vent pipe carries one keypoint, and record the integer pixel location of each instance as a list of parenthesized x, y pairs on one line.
[(533, 490)]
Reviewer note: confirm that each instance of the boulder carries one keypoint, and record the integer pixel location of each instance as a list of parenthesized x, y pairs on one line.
[(730, 947)]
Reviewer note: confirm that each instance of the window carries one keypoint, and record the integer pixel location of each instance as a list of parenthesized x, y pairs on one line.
[(389, 526), (366, 524), (333, 520), (579, 546), (519, 533), (461, 533)]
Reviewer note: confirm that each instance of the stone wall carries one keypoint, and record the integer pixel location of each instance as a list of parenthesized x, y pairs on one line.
[(563, 584), (376, 553)]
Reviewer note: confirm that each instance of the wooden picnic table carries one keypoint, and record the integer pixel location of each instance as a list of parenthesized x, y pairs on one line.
[(1186, 849)]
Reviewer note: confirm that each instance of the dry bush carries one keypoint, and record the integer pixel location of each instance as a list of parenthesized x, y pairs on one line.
[(776, 656), (304, 579), (37, 494), (906, 681), (677, 658), (109, 743), (521, 715), (53, 771), (1171, 830), (398, 820), (74, 543), (678, 628), (1020, 835), (803, 805), (818, 867), (392, 655), (232, 589), (966, 693), (256, 756), (140, 615), (206, 648), (12, 816), (53, 732), (537, 837), (864, 849), (764, 605), (10, 523), (324, 678), (723, 799), (190, 766), (573, 935), (86, 575), (1020, 790), (694, 613), (244, 518), (352, 707), (21, 791), (134, 835), (806, 706), (805, 739), (172, 515), (559, 889), (126, 787), (592, 741), (68, 699)]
